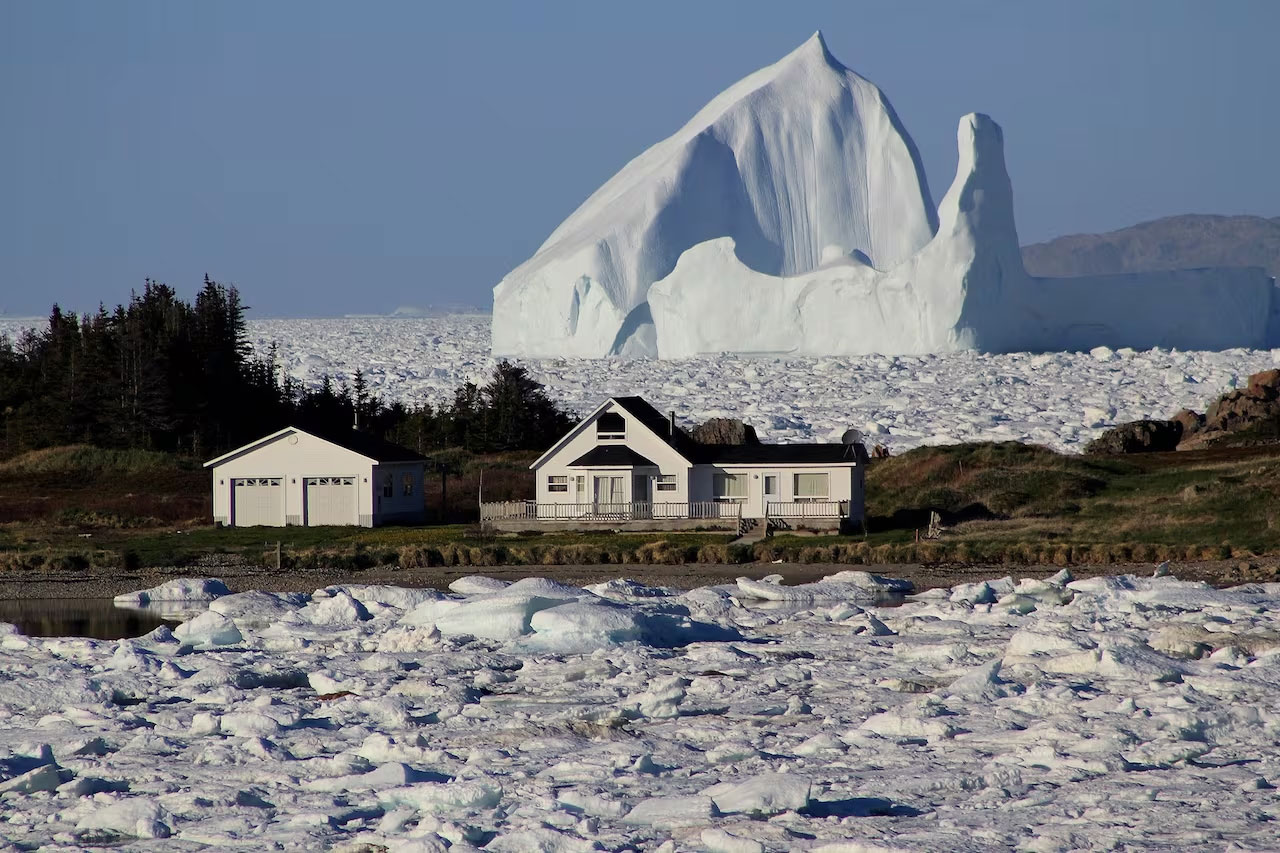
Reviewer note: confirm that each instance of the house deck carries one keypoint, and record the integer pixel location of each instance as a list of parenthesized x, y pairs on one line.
[(656, 516)]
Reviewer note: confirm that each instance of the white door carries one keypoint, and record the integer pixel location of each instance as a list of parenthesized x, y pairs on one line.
[(257, 501), (329, 500), (772, 488)]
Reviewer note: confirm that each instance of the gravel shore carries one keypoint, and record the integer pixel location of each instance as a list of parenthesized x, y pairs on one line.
[(239, 576)]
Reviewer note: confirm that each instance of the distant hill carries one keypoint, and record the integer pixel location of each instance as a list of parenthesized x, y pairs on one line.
[(1175, 242)]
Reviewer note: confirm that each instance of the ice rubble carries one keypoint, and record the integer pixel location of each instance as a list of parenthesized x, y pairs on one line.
[(791, 216), (1058, 399), (791, 161), (1094, 714)]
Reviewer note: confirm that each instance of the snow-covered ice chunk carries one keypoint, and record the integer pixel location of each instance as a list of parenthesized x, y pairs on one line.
[(256, 610), (444, 797), (209, 629), (671, 812), (846, 585), (477, 585), (578, 626), (504, 615), (178, 589), (716, 840), (338, 610), (135, 817), (662, 699), (399, 597), (767, 794)]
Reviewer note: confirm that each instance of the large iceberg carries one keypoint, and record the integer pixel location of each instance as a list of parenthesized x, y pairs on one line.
[(790, 216), (966, 289), (794, 159)]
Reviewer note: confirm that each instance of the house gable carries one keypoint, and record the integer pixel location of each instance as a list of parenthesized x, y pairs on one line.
[(640, 435)]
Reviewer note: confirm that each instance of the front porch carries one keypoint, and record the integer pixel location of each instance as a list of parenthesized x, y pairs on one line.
[(657, 516)]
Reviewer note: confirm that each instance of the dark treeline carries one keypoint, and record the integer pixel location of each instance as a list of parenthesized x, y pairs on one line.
[(164, 374)]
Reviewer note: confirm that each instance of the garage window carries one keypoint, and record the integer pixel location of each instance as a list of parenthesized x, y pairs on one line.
[(558, 484), (666, 482)]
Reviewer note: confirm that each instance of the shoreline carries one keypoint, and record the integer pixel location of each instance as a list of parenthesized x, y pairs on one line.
[(240, 577)]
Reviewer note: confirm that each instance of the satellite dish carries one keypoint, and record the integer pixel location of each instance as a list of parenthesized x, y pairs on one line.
[(851, 436)]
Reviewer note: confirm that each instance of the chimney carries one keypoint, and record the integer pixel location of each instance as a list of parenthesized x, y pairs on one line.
[(671, 427)]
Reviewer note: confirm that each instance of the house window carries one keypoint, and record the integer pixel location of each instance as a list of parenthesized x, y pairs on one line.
[(811, 487), (611, 425), (388, 486), (730, 487), (558, 484), (666, 482), (406, 485)]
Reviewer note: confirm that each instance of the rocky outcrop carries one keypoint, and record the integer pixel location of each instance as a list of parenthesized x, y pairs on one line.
[(725, 431), (1192, 422), (1138, 437), (1244, 416)]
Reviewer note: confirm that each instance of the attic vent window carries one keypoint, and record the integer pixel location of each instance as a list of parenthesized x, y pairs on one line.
[(611, 425)]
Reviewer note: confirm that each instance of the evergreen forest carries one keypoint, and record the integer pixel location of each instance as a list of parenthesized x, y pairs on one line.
[(161, 373)]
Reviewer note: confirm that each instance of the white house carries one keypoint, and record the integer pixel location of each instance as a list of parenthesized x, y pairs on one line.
[(297, 477), (627, 465)]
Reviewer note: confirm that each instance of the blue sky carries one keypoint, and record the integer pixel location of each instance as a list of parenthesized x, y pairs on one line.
[(345, 157)]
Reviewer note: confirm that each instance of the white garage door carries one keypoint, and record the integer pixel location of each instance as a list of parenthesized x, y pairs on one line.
[(330, 500), (257, 501)]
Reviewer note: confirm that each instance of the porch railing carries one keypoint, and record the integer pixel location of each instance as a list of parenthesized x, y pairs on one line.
[(645, 511), (801, 510)]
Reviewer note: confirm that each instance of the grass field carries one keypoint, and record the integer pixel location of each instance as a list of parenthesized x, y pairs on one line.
[(1000, 503)]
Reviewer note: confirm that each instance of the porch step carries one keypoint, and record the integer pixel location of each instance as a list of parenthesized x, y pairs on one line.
[(750, 531)]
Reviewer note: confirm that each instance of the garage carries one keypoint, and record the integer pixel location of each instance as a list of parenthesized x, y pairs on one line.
[(336, 479), (329, 500), (257, 501)]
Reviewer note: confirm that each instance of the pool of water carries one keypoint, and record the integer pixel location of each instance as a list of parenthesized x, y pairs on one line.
[(97, 618)]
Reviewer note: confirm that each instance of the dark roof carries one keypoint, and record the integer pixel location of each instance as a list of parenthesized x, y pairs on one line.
[(368, 445), (730, 454), (660, 424), (774, 454), (611, 454)]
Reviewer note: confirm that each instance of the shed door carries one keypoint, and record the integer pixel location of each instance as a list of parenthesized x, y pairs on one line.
[(257, 501), (330, 500)]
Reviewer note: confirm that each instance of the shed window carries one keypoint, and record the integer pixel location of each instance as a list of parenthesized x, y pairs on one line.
[(611, 425), (812, 487), (730, 487), (406, 485), (558, 484), (666, 482)]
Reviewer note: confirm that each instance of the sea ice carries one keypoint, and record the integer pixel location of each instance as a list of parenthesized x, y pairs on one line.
[(1121, 708)]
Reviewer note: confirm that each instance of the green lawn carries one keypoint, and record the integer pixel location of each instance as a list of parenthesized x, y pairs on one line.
[(999, 503)]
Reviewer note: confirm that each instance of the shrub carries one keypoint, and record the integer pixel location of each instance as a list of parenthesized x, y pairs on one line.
[(714, 554)]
